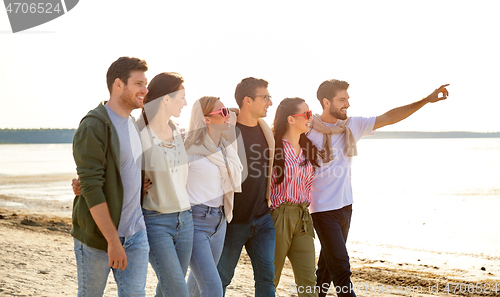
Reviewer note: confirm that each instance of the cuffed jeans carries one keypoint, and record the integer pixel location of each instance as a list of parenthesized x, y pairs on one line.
[(171, 241), (332, 228), (93, 268), (259, 239), (295, 240), (209, 233)]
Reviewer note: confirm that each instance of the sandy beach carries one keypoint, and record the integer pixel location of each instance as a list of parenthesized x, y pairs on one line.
[(36, 259)]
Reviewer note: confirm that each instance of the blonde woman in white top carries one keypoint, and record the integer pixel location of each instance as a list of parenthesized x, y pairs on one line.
[(214, 175), (166, 207)]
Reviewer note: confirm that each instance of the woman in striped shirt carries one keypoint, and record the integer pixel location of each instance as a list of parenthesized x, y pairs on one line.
[(293, 172)]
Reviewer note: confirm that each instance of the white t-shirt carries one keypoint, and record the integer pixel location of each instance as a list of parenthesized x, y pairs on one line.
[(331, 188), (204, 184)]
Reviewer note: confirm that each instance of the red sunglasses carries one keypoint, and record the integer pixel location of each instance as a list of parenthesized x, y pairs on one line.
[(308, 114), (224, 111)]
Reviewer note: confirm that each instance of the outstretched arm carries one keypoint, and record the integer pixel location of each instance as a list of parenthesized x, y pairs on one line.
[(400, 113)]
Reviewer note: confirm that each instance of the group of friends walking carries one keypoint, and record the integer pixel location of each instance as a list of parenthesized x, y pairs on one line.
[(149, 192)]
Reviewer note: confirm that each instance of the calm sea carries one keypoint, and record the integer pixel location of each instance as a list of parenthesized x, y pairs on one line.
[(431, 183), (439, 195), (34, 160), (422, 194)]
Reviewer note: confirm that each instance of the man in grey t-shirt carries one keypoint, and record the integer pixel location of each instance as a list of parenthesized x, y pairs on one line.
[(108, 225)]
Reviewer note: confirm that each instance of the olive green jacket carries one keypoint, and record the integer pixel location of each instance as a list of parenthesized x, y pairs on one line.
[(96, 150)]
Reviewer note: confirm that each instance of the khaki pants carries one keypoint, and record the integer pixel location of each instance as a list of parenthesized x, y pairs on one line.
[(295, 240)]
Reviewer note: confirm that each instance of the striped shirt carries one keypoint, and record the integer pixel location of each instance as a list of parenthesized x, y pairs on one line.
[(296, 186)]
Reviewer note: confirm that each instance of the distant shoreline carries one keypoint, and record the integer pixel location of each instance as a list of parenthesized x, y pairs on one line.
[(31, 136)]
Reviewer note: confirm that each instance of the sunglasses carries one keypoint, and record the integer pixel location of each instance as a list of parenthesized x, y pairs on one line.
[(224, 111), (267, 98), (308, 114)]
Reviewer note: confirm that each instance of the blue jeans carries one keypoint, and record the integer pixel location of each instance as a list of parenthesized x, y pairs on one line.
[(259, 239), (209, 233), (171, 241), (332, 228), (92, 267)]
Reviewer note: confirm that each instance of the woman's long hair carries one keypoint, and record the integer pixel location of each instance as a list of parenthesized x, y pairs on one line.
[(197, 126), (161, 85), (288, 107)]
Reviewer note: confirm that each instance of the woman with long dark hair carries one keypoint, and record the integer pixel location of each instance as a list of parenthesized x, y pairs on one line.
[(166, 207), (293, 171)]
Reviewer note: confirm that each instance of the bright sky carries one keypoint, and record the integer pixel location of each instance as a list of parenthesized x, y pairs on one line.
[(391, 52)]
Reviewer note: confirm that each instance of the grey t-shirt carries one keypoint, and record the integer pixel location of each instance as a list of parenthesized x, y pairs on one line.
[(132, 220)]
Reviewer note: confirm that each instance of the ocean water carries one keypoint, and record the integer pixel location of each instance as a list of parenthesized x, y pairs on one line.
[(36, 159), (428, 202), (21, 160), (436, 195), (439, 194)]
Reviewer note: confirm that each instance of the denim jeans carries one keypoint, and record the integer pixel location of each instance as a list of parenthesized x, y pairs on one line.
[(259, 239), (209, 233), (171, 241), (92, 267), (332, 228)]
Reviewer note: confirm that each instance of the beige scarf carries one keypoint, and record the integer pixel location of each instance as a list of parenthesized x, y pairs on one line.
[(229, 165), (340, 128)]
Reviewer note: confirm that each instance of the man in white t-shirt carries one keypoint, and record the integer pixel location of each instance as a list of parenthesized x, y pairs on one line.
[(331, 202)]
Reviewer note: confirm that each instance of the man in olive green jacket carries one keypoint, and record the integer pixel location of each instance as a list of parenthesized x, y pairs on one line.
[(108, 225)]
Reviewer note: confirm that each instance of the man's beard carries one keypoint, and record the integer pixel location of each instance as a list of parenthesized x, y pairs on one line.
[(337, 114), (128, 99)]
